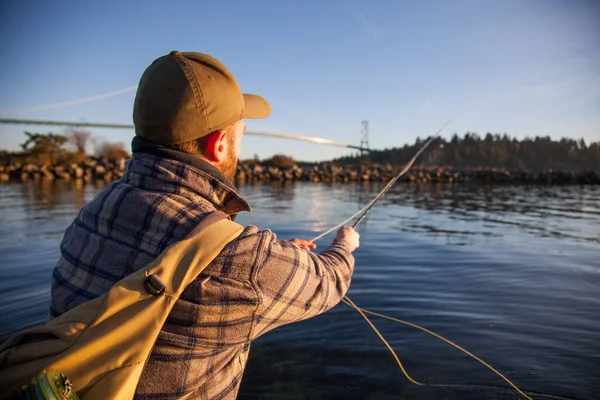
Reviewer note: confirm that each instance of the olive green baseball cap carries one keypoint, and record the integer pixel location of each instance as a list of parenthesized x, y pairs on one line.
[(184, 96)]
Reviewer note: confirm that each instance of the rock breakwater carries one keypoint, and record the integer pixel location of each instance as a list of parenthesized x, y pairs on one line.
[(109, 170)]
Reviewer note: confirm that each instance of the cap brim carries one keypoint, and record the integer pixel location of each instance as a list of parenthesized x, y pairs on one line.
[(256, 107)]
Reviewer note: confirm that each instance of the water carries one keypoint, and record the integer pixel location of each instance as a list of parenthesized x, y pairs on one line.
[(512, 273)]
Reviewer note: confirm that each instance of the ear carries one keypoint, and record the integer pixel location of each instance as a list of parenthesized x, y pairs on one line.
[(216, 146)]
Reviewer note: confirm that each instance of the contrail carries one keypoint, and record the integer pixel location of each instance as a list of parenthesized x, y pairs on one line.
[(70, 103)]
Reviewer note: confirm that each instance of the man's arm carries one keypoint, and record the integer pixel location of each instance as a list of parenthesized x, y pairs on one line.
[(295, 284)]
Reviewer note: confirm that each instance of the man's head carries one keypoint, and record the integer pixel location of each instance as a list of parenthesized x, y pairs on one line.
[(220, 148), (191, 102)]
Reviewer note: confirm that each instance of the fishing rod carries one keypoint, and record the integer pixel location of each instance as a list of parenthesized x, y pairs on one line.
[(363, 312), (310, 139), (367, 209)]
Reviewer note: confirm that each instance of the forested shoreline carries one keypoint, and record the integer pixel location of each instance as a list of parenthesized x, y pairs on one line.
[(494, 151), (491, 159)]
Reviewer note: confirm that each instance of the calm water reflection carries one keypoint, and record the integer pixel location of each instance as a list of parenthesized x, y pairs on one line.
[(512, 273)]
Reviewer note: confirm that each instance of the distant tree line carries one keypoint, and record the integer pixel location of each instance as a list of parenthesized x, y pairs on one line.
[(51, 148), (492, 151)]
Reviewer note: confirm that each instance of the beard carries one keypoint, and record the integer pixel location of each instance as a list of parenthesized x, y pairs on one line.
[(229, 166)]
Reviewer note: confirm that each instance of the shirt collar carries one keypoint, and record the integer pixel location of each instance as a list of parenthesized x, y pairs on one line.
[(223, 193)]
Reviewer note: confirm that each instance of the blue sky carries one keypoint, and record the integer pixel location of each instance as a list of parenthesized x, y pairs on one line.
[(523, 67)]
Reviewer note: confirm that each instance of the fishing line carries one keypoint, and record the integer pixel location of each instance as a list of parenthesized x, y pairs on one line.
[(363, 212), (346, 300)]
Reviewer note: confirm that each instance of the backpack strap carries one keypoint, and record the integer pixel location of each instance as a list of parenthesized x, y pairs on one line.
[(103, 345), (181, 263)]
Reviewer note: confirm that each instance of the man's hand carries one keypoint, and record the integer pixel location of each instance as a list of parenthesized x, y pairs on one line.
[(349, 236), (305, 244)]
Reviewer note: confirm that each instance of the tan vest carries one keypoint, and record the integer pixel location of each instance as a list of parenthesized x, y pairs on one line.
[(102, 345)]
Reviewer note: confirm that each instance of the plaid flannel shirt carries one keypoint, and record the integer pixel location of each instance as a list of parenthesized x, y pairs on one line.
[(256, 284)]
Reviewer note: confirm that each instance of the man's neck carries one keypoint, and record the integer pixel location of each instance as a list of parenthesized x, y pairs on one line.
[(140, 145)]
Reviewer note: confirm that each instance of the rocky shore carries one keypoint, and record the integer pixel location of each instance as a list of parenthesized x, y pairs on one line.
[(249, 172), (89, 170)]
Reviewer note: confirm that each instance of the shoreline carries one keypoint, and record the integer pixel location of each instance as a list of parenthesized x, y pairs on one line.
[(253, 172)]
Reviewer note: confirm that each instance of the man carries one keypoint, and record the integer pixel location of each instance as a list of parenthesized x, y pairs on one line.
[(188, 116)]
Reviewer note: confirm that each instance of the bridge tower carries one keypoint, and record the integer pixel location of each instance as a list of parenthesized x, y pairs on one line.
[(364, 141)]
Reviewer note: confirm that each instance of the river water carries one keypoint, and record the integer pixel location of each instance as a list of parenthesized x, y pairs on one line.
[(511, 273)]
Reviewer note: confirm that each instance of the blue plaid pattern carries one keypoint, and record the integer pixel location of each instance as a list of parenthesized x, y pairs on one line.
[(256, 284)]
